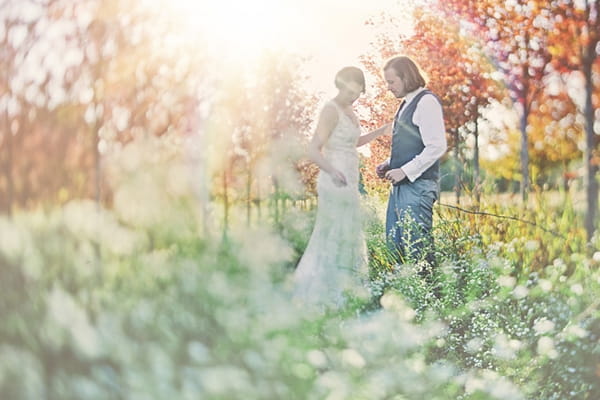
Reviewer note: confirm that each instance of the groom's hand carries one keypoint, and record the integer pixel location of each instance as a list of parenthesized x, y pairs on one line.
[(381, 169), (395, 175)]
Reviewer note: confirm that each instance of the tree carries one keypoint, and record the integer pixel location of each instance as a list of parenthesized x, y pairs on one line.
[(118, 77), (379, 108), (40, 134), (457, 69), (461, 75), (574, 45), (17, 41), (555, 133), (259, 122), (515, 36)]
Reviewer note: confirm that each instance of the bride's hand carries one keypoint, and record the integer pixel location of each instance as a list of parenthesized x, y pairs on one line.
[(382, 169), (338, 178)]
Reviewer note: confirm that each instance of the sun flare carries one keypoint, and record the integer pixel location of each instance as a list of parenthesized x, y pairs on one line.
[(235, 26)]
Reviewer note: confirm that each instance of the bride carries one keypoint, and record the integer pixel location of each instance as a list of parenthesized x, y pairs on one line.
[(335, 258)]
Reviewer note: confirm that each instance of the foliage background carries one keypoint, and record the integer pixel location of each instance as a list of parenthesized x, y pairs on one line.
[(155, 200)]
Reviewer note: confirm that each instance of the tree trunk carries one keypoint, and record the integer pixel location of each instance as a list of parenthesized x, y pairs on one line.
[(258, 201), (524, 155), (457, 175), (8, 169), (565, 178), (97, 70), (591, 184), (97, 164), (476, 180), (248, 196), (276, 202), (225, 204)]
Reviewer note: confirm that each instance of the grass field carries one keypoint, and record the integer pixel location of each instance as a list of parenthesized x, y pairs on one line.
[(101, 304)]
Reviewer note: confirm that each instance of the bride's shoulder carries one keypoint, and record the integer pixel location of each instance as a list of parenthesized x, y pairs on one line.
[(331, 106), (330, 111)]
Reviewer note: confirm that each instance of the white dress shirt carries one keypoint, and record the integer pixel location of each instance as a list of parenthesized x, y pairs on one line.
[(429, 118)]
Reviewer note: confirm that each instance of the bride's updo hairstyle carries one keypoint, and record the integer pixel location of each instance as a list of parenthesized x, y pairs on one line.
[(347, 75)]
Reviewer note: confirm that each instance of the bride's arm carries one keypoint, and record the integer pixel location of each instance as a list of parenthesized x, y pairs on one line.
[(367, 137), (327, 122)]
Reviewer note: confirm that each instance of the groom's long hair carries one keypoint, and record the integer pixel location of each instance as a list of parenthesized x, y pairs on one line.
[(407, 70)]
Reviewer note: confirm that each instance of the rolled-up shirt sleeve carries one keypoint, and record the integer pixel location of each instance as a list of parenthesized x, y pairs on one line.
[(429, 118)]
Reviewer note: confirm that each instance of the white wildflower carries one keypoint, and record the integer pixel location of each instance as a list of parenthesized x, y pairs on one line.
[(496, 246), (442, 371), (21, 371), (596, 257), (393, 302), (545, 347), (317, 358), (507, 281), (474, 384), (504, 389), (256, 255), (85, 388), (545, 285), (532, 245), (576, 331), (353, 358), (69, 315), (543, 326), (12, 239), (336, 384), (506, 349), (409, 314), (198, 352), (577, 289), (418, 365), (520, 292), (559, 263), (474, 345), (254, 360), (218, 380)]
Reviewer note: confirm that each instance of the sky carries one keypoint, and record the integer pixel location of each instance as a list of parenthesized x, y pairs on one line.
[(329, 33), (339, 35), (326, 34)]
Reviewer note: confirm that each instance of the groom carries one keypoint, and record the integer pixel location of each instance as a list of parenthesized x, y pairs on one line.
[(418, 142)]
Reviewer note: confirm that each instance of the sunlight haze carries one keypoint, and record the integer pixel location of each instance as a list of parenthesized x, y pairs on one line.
[(329, 34)]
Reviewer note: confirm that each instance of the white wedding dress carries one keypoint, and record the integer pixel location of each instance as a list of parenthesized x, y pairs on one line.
[(335, 259)]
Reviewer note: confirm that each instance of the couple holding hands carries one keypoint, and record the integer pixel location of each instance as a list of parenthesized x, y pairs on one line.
[(335, 259)]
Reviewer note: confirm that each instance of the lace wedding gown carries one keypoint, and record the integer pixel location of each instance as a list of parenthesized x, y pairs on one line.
[(334, 261)]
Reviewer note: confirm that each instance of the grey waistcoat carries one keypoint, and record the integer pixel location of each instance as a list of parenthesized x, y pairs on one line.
[(407, 141)]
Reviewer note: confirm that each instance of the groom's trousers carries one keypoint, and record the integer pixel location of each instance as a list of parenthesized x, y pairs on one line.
[(409, 220)]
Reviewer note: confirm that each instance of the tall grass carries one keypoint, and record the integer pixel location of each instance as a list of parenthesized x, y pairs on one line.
[(143, 302), (516, 298)]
